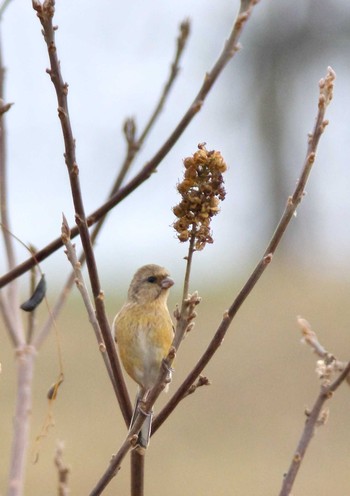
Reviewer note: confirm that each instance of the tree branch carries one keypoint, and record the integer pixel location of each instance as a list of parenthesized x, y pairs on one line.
[(8, 299), (314, 417), (325, 96), (80, 283)]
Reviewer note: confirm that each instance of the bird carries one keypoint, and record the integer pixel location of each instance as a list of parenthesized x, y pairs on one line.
[(143, 331)]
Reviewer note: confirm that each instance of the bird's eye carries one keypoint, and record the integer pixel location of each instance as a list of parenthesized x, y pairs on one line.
[(151, 279)]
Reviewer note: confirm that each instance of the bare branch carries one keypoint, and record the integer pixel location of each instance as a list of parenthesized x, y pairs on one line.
[(326, 93), (310, 338), (315, 418), (8, 299), (201, 381), (80, 283)]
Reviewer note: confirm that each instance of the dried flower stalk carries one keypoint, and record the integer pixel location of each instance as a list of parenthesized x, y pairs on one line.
[(201, 191)]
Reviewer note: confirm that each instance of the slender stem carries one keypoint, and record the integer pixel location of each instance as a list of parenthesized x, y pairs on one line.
[(189, 257), (137, 473), (183, 317), (79, 280), (8, 299), (25, 366), (113, 467), (310, 425)]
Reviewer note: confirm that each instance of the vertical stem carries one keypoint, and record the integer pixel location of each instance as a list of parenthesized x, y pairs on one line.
[(9, 299), (182, 319), (10, 308), (137, 473), (25, 367), (191, 250)]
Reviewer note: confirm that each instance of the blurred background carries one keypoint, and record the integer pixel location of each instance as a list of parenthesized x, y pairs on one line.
[(238, 435)]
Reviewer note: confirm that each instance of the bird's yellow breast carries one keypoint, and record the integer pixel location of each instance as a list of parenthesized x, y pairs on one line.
[(144, 333)]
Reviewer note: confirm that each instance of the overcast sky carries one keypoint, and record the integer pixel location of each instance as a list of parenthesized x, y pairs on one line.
[(115, 57)]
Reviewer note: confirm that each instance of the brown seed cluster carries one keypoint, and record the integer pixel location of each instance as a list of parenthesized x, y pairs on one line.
[(201, 191)]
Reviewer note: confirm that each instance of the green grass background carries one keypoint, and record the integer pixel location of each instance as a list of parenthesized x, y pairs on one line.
[(235, 437)]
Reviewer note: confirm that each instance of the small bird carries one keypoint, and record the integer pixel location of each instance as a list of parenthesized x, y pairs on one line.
[(143, 331)]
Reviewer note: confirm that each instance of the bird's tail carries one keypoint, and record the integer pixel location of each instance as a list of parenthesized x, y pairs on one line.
[(145, 432)]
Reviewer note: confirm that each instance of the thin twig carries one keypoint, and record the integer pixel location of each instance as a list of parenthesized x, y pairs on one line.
[(188, 303), (201, 381), (325, 96), (115, 464), (229, 50), (80, 283), (45, 14), (310, 338), (313, 419), (9, 298), (189, 258)]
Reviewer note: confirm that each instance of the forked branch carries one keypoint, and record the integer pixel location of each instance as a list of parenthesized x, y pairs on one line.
[(327, 367)]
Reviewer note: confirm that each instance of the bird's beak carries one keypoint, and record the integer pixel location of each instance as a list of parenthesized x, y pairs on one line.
[(167, 282)]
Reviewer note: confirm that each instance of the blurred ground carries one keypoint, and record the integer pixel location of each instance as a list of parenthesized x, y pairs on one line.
[(236, 436)]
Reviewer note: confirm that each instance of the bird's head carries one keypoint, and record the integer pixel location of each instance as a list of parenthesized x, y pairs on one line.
[(150, 282)]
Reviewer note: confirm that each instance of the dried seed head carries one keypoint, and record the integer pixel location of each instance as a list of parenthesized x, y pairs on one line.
[(201, 191)]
